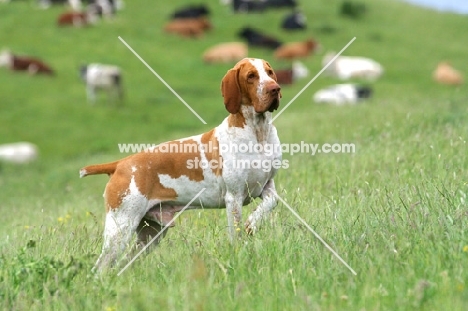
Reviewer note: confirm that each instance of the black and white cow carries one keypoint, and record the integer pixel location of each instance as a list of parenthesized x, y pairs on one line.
[(342, 94), (102, 77)]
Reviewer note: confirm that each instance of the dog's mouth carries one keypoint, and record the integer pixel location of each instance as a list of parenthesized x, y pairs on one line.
[(271, 106), (274, 105)]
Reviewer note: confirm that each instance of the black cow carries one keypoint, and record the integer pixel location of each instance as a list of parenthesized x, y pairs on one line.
[(281, 3), (248, 6), (258, 39), (192, 11), (294, 21)]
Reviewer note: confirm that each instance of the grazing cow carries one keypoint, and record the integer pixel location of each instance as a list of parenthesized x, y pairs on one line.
[(281, 3), (79, 19), (446, 74), (290, 75), (45, 4), (192, 11), (24, 63), (188, 27), (76, 19), (226, 53), (246, 6), (294, 21), (153, 185), (258, 39), (260, 5), (342, 94), (20, 152), (102, 77), (107, 7), (348, 67), (294, 50)]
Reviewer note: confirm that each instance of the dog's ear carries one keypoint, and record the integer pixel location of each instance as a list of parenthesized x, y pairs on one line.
[(231, 91)]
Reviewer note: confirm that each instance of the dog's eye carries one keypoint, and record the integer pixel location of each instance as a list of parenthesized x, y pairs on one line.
[(251, 76), (270, 72)]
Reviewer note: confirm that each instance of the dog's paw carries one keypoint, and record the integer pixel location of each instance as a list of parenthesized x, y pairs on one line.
[(250, 227)]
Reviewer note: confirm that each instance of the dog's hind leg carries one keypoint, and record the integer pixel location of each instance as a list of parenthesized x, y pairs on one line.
[(121, 225)]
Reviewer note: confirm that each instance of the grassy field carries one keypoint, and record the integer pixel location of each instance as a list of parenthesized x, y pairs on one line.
[(396, 210)]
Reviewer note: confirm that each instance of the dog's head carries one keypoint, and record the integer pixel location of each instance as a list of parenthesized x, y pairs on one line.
[(251, 82)]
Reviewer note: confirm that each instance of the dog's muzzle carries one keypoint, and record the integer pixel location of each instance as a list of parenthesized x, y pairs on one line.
[(274, 91)]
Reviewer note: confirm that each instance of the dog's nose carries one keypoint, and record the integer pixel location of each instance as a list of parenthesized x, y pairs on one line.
[(273, 88)]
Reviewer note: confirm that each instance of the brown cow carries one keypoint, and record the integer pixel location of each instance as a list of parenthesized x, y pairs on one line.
[(188, 27), (24, 63), (446, 74), (294, 50)]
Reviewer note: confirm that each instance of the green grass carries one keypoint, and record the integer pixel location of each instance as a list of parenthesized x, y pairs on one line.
[(396, 210)]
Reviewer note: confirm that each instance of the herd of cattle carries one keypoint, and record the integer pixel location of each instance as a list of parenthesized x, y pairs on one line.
[(193, 21)]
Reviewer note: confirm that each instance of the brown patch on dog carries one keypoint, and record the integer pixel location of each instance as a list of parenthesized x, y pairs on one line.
[(169, 158), (209, 140), (236, 120)]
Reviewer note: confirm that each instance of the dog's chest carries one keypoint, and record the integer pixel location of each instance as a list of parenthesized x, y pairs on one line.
[(250, 156)]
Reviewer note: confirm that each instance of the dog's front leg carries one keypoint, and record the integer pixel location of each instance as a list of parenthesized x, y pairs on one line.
[(234, 214), (269, 202)]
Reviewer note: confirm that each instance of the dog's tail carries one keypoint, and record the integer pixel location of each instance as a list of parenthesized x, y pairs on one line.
[(106, 168)]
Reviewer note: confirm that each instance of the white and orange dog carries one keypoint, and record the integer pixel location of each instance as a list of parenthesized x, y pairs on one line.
[(146, 189)]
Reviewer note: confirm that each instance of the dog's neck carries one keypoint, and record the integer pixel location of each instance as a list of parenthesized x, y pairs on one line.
[(259, 123)]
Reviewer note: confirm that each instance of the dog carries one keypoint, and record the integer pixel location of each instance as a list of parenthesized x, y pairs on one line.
[(153, 185)]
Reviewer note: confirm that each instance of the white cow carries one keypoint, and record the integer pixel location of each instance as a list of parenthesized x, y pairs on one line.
[(102, 77), (341, 94), (347, 67), (20, 152)]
